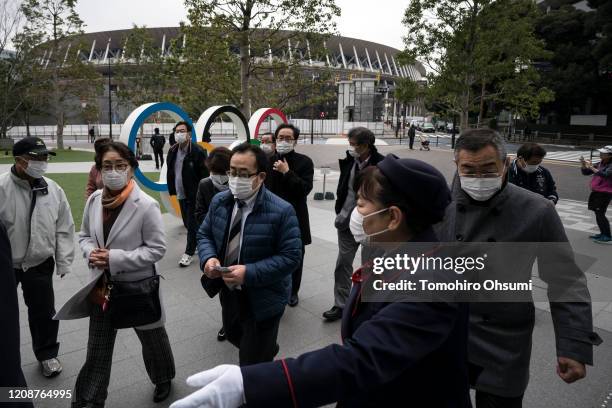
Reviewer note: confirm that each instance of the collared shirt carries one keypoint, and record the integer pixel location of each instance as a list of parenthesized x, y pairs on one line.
[(178, 173), (247, 208)]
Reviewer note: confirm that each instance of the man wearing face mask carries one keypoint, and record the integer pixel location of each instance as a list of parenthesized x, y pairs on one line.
[(290, 178), (486, 208), (361, 154), (186, 167), (526, 171), (249, 244), (267, 144), (39, 223)]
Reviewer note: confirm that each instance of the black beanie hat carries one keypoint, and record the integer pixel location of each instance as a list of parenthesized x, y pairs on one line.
[(422, 184)]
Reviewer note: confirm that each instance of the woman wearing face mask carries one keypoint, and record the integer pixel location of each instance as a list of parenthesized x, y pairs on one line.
[(411, 354), (218, 164), (601, 194), (122, 237), (526, 171)]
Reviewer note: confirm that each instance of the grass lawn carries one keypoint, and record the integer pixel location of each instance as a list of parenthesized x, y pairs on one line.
[(63, 156), (74, 187)]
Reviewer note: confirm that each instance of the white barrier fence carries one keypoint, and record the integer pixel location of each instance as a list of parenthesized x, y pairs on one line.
[(316, 127)]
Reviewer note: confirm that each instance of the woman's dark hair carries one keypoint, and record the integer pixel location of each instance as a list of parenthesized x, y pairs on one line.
[(99, 142), (218, 161), (182, 122), (362, 136), (121, 149), (529, 150), (260, 155), (294, 129), (374, 186)]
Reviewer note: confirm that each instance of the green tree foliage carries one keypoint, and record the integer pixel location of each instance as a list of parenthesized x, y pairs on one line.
[(578, 71), (272, 38), (51, 36), (477, 51)]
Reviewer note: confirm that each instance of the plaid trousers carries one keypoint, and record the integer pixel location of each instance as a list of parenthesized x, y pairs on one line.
[(92, 382)]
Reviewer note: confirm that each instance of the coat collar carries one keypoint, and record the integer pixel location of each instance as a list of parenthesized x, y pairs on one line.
[(129, 208)]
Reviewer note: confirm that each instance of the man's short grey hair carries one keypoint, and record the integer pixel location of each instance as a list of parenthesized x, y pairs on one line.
[(474, 140)]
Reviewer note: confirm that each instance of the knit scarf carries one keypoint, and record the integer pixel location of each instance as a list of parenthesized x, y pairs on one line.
[(110, 202)]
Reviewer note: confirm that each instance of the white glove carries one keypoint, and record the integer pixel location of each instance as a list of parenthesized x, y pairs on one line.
[(222, 387)]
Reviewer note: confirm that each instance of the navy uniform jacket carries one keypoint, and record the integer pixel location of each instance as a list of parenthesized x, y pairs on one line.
[(394, 354)]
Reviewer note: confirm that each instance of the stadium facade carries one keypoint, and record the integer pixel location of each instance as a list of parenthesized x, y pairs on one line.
[(365, 72)]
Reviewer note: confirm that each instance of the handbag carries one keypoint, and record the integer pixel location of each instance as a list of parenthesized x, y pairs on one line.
[(133, 304), (99, 293)]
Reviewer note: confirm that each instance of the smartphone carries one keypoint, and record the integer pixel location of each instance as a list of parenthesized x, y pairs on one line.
[(222, 269)]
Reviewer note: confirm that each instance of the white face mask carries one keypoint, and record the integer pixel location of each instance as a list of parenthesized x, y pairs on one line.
[(531, 168), (356, 225), (36, 169), (480, 189), (220, 181), (268, 148), (284, 147), (115, 180), (352, 152), (242, 187), (181, 137)]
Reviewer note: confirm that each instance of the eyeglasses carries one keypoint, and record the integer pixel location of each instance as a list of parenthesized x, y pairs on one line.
[(116, 166), (241, 174)]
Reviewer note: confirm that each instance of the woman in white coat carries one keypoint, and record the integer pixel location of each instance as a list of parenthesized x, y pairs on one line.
[(122, 236)]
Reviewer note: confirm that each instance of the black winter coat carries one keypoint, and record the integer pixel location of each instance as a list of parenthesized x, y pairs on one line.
[(540, 182), (294, 187), (206, 192), (10, 357), (194, 170), (345, 173)]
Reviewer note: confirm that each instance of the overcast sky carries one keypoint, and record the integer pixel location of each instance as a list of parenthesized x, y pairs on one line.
[(379, 21)]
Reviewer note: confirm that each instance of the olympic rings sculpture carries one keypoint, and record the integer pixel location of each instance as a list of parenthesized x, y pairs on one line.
[(247, 132)]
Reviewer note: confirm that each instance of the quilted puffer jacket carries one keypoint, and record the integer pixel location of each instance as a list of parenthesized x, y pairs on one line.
[(271, 248)]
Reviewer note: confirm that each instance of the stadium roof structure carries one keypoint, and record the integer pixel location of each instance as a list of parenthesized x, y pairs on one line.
[(343, 54)]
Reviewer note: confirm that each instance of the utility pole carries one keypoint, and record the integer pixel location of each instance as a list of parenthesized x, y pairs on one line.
[(110, 112)]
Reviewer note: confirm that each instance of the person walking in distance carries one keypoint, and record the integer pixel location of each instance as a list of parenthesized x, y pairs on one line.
[(601, 192), (158, 141)]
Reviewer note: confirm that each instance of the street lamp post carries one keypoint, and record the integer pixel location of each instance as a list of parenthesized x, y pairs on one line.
[(110, 110)]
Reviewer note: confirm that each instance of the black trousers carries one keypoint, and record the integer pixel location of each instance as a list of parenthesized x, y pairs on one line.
[(598, 203), (296, 276), (256, 340), (190, 222), (411, 141), (159, 157), (92, 382), (486, 400), (37, 287)]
